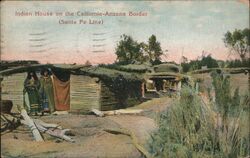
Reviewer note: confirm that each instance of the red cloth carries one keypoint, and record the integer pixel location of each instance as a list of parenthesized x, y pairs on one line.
[(61, 94)]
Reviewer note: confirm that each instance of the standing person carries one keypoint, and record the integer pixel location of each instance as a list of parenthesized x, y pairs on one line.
[(31, 94), (47, 91)]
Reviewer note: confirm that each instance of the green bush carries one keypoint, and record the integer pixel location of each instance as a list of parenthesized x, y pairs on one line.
[(190, 128), (233, 132), (184, 129)]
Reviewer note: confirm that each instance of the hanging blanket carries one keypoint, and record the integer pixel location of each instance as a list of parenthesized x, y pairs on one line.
[(61, 94)]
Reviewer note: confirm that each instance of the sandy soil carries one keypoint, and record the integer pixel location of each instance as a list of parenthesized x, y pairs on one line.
[(141, 126), (91, 140)]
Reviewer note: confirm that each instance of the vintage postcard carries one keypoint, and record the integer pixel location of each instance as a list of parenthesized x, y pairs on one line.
[(125, 79)]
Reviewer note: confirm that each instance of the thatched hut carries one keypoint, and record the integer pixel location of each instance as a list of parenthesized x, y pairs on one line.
[(90, 87), (165, 77)]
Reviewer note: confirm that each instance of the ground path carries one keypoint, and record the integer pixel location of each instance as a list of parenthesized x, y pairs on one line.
[(91, 140)]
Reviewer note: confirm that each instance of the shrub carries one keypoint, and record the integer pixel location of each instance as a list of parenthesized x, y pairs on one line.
[(233, 132), (184, 129), (189, 128)]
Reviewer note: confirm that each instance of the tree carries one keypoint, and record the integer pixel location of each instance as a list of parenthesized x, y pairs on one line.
[(128, 50), (184, 59), (145, 50), (184, 63), (154, 49), (87, 63), (198, 63), (238, 42), (209, 62)]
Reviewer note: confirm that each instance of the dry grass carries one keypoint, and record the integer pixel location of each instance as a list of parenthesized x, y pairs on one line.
[(191, 128), (236, 80)]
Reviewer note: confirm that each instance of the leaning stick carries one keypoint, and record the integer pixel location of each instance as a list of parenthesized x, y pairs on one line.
[(117, 112), (46, 125), (60, 134), (97, 112), (55, 132), (31, 125), (51, 129)]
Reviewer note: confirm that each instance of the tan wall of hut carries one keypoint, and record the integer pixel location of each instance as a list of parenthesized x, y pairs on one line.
[(84, 93), (12, 88)]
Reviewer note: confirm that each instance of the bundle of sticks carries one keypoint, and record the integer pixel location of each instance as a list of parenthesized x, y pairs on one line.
[(10, 122)]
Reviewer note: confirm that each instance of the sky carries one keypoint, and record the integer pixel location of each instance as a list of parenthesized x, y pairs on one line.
[(182, 27)]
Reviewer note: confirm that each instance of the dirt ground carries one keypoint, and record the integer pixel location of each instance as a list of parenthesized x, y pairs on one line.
[(91, 140)]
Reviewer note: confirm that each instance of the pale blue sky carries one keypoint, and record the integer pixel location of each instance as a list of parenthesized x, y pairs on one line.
[(191, 26)]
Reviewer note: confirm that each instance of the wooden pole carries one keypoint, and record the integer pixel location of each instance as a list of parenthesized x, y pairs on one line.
[(179, 88), (51, 129), (196, 87), (143, 89), (32, 126)]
